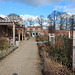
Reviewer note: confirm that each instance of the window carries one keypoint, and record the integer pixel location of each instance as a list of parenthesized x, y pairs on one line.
[(39, 29), (33, 29), (28, 29)]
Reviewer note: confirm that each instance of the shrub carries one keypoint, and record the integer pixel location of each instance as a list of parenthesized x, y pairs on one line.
[(3, 43), (41, 38), (59, 43), (13, 47), (60, 53), (47, 50), (37, 36)]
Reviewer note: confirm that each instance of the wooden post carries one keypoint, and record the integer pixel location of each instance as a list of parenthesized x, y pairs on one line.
[(6, 31), (19, 34), (13, 33), (22, 33)]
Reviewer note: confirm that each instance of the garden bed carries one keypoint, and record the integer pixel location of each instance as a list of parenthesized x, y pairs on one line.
[(5, 48), (49, 66), (41, 38), (4, 53), (55, 61)]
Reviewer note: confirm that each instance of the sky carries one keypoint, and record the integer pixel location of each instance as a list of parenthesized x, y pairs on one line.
[(34, 8)]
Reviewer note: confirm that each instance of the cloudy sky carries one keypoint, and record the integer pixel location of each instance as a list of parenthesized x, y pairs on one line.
[(34, 8)]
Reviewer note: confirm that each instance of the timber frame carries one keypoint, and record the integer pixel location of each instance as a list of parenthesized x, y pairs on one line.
[(13, 26)]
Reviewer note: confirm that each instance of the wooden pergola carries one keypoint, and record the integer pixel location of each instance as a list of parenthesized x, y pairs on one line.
[(13, 26)]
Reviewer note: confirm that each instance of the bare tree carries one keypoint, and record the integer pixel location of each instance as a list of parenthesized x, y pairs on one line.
[(40, 21), (62, 20), (72, 22), (30, 20), (50, 22), (55, 18), (14, 17), (67, 20)]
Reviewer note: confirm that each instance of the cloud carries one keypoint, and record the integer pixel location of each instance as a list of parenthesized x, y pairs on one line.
[(26, 17), (45, 24), (34, 2), (36, 25), (3, 16), (41, 2), (68, 9)]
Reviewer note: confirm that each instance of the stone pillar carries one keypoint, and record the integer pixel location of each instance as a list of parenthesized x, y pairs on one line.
[(49, 37), (19, 34), (6, 31), (69, 35), (73, 49), (54, 38), (22, 33), (13, 33)]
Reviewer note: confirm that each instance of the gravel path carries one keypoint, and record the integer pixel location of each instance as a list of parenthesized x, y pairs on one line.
[(23, 61)]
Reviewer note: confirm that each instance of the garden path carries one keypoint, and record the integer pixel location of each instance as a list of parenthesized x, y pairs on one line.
[(23, 61)]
